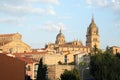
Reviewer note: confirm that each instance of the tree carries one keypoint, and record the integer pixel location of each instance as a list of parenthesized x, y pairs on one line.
[(118, 55), (108, 50), (27, 77), (105, 66), (95, 49), (42, 71), (70, 75)]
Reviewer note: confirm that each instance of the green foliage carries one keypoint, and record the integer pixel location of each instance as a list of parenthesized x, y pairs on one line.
[(42, 70), (82, 63), (95, 49), (105, 66), (118, 55), (108, 50), (70, 75)]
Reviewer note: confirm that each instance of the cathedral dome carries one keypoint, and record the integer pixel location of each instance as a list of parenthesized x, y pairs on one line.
[(60, 39), (60, 35)]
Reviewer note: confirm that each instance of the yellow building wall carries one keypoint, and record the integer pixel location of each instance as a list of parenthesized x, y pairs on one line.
[(115, 49), (53, 59), (16, 47), (54, 71)]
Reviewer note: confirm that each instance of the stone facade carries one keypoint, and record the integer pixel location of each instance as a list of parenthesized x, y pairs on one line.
[(115, 49), (53, 59), (31, 70), (69, 49), (54, 71), (92, 36), (12, 43), (32, 60)]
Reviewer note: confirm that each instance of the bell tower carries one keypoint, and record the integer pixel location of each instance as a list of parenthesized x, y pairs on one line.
[(92, 36)]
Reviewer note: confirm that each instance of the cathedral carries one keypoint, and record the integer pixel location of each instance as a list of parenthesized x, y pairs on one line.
[(69, 49), (12, 43), (92, 36)]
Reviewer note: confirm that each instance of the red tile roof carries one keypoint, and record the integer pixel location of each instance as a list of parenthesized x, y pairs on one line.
[(27, 60)]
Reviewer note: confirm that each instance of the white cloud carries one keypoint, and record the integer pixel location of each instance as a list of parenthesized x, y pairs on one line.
[(117, 22), (24, 10), (89, 2), (17, 9), (50, 26), (15, 21), (26, 7), (51, 11), (116, 5), (64, 17), (56, 2), (98, 3), (112, 4)]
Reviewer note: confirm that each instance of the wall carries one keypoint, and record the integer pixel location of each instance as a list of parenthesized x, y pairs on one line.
[(54, 71), (11, 68), (51, 59)]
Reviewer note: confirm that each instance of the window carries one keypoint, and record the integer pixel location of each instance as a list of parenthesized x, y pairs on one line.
[(11, 50), (28, 68), (36, 67), (65, 58)]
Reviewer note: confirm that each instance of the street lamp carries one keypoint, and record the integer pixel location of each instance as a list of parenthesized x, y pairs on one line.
[(83, 72)]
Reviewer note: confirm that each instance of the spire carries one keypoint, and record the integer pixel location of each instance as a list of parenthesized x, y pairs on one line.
[(60, 30), (92, 18)]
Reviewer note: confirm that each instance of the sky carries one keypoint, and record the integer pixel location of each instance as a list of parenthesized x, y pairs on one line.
[(39, 21)]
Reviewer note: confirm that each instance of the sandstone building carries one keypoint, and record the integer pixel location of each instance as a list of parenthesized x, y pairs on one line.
[(92, 36), (115, 49), (60, 51), (69, 49), (12, 43), (32, 60), (54, 71)]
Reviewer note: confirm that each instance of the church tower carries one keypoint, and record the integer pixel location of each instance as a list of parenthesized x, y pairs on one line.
[(60, 39), (92, 36)]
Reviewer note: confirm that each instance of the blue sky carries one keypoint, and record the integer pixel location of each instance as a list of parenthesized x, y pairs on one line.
[(39, 21)]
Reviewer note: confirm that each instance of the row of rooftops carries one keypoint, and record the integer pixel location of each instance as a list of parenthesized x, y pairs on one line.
[(23, 56), (26, 56)]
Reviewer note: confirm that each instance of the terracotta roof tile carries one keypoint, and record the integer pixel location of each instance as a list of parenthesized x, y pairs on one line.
[(27, 60)]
